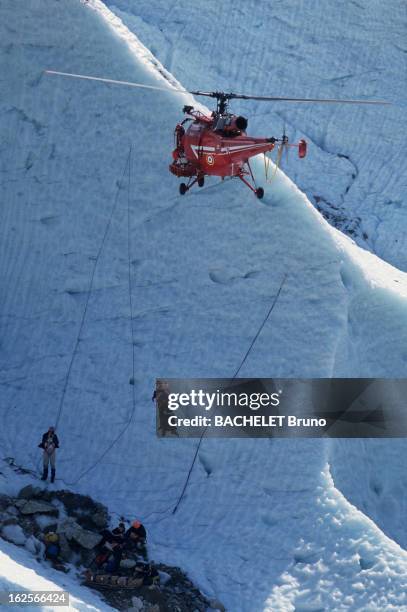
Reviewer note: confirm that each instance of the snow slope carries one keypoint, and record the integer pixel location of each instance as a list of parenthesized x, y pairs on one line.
[(262, 526), (356, 170), (19, 572)]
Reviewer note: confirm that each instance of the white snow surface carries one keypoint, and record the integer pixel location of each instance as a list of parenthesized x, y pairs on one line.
[(268, 528)]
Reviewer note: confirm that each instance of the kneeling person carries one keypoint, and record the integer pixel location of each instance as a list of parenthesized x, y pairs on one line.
[(135, 538)]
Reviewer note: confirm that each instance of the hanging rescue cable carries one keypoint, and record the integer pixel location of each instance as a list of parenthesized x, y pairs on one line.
[(283, 146), (267, 162), (130, 290), (233, 378), (89, 292)]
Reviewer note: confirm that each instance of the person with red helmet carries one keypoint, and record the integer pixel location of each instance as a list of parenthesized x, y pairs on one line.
[(135, 538)]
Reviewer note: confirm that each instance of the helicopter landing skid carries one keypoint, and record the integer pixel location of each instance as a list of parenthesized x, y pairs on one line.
[(184, 187), (258, 191)]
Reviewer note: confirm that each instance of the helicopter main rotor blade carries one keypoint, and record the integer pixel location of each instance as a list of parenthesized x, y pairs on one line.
[(318, 100), (115, 82), (213, 94), (130, 83), (210, 94)]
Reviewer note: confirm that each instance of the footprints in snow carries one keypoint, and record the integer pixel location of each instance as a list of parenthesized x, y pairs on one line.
[(376, 487), (49, 220), (346, 277), (366, 564), (222, 276), (309, 557), (205, 463)]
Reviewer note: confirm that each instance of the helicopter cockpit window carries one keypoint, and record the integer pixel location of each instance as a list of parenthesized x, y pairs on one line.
[(221, 124), (230, 126)]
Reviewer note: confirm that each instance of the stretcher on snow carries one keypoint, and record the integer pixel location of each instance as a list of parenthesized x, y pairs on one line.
[(113, 582), (108, 581)]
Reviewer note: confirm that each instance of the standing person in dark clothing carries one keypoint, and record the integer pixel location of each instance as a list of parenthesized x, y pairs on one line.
[(160, 397), (49, 444)]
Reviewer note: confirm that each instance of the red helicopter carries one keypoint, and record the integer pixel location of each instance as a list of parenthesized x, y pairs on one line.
[(217, 144)]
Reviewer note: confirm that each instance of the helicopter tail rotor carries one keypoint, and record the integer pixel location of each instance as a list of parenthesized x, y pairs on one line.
[(302, 148), (284, 146), (282, 152)]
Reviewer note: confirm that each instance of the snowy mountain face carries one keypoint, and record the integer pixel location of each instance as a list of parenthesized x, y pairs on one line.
[(90, 216), (355, 172)]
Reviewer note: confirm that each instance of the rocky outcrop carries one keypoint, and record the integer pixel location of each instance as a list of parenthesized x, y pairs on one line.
[(14, 533), (66, 553), (215, 604), (27, 519), (33, 506), (87, 513), (30, 492), (85, 538)]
